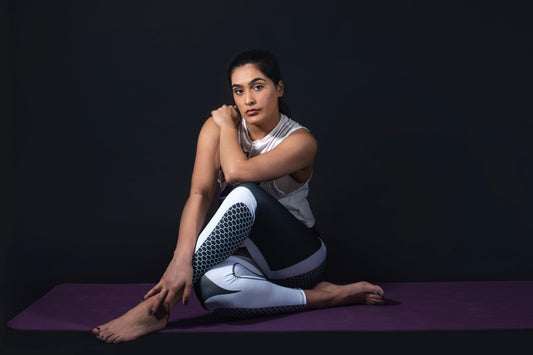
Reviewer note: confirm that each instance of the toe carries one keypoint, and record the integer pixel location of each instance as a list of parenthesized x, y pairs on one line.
[(104, 335), (96, 330), (379, 292), (372, 298), (113, 339)]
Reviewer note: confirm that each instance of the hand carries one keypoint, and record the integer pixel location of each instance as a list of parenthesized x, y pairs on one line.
[(175, 284), (226, 114)]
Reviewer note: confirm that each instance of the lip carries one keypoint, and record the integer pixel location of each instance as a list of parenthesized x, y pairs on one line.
[(252, 112)]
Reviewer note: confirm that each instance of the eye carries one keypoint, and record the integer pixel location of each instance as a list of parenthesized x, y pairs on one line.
[(258, 87), (237, 91)]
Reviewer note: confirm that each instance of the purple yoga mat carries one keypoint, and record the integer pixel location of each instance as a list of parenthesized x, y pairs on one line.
[(409, 307)]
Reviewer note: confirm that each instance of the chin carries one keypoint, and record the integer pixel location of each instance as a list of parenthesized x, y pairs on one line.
[(254, 119)]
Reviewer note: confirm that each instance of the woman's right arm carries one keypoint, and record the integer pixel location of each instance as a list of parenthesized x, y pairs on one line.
[(176, 282)]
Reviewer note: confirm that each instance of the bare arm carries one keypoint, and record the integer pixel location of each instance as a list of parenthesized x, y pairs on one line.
[(294, 156), (176, 282), (203, 187)]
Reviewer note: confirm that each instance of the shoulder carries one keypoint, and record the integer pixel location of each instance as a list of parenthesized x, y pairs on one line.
[(299, 132), (303, 137), (210, 125), (209, 135), (300, 143), (209, 128)]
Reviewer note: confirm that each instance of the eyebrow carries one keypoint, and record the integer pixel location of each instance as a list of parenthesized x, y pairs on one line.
[(250, 83)]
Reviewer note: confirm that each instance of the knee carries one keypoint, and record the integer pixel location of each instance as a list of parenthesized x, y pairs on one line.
[(205, 288), (231, 284), (252, 187), (243, 193), (249, 185), (213, 284)]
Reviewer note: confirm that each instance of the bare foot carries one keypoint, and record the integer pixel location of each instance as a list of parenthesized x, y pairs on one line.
[(132, 325), (326, 294)]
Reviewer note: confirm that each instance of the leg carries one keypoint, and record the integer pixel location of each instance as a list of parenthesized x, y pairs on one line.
[(220, 238), (225, 232), (290, 254), (286, 251), (279, 243), (236, 288)]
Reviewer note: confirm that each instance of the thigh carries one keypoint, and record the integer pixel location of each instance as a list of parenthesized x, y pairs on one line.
[(281, 245)]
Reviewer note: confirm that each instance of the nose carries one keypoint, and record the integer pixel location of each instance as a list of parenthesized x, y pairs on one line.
[(249, 98)]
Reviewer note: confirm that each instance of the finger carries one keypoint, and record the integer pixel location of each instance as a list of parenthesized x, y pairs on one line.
[(157, 302), (171, 300), (155, 290), (186, 293)]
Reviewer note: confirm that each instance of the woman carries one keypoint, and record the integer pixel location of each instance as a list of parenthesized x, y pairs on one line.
[(259, 253)]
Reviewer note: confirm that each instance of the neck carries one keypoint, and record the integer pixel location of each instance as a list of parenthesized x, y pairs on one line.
[(260, 130)]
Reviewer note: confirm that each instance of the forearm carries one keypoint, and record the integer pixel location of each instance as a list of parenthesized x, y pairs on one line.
[(231, 155), (191, 223)]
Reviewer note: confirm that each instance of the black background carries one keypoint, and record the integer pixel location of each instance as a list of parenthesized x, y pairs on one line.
[(421, 110)]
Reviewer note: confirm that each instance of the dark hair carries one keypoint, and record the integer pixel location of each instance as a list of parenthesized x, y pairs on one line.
[(267, 63)]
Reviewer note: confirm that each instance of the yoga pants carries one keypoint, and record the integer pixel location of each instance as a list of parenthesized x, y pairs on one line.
[(254, 257)]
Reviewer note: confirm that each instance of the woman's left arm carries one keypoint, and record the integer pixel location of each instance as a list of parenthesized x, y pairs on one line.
[(296, 153)]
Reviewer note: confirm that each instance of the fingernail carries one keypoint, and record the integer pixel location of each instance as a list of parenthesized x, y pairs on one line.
[(150, 313), (382, 301), (97, 328), (186, 302), (142, 299), (379, 293)]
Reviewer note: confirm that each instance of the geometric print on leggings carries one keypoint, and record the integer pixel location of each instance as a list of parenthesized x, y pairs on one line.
[(305, 281), (257, 312), (224, 240)]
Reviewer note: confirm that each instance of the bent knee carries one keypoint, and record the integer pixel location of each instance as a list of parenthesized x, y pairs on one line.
[(228, 284), (242, 194)]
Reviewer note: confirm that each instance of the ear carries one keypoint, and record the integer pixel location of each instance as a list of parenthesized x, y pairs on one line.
[(280, 88)]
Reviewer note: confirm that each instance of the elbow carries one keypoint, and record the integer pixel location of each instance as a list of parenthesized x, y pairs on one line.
[(232, 178), (233, 174)]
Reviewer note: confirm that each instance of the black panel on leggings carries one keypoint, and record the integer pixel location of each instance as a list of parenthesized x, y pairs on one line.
[(282, 238)]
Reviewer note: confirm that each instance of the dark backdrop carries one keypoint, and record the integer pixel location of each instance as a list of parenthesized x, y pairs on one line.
[(422, 114)]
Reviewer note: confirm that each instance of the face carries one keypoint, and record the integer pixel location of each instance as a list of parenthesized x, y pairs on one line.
[(255, 95)]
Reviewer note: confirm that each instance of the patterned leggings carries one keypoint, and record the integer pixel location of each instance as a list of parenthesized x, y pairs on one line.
[(254, 257)]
